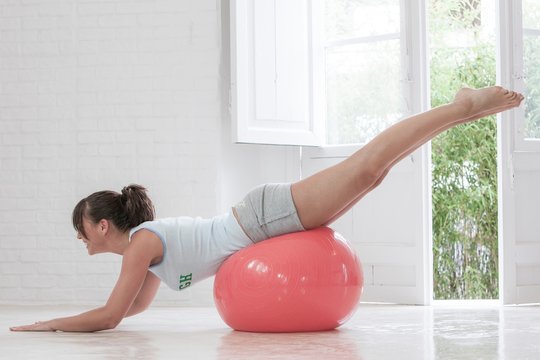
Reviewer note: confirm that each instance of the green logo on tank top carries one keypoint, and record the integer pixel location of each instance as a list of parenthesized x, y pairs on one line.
[(185, 281)]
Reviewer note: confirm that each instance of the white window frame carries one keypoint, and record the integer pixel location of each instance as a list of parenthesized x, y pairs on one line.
[(244, 118), (248, 68), (414, 64), (519, 77), (414, 69), (517, 162)]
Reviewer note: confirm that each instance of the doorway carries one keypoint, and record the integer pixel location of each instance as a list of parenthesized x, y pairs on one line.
[(464, 159)]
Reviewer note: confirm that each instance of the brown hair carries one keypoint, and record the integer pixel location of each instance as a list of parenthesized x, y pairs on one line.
[(126, 210)]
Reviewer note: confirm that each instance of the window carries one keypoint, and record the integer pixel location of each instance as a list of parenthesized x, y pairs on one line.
[(317, 72), (275, 92), (531, 68), (363, 68)]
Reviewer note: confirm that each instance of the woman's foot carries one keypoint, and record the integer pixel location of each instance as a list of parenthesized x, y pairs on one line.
[(477, 104)]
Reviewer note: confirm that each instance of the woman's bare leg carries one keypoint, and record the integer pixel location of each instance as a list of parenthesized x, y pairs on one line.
[(383, 175), (324, 196)]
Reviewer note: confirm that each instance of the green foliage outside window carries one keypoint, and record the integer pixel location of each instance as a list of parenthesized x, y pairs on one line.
[(464, 161)]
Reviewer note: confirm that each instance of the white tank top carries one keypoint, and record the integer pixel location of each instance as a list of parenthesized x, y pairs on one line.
[(194, 248)]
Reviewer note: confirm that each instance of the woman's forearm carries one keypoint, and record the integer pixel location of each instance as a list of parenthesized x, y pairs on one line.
[(93, 320)]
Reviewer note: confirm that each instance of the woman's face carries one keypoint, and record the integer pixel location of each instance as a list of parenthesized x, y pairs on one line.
[(95, 236)]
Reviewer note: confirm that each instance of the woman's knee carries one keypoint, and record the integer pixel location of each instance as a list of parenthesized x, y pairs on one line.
[(380, 178), (368, 176)]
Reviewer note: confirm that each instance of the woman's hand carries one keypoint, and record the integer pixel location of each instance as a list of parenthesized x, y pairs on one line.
[(37, 326)]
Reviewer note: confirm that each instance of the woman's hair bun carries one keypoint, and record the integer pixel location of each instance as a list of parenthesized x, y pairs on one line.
[(136, 203), (132, 190)]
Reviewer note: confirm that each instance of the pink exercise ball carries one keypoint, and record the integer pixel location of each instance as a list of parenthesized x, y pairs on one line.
[(304, 281)]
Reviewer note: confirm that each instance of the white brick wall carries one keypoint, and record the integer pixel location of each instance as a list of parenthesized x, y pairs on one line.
[(96, 95)]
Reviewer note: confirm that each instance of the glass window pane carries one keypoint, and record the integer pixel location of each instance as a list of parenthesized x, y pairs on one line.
[(359, 18), (531, 14), (363, 91), (531, 62)]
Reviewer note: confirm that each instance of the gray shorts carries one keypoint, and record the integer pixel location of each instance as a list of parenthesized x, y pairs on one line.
[(268, 211)]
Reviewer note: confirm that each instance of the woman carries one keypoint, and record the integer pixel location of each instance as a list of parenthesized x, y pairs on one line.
[(181, 251)]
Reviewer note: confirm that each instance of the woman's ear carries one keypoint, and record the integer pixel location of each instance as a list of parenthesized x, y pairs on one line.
[(103, 226)]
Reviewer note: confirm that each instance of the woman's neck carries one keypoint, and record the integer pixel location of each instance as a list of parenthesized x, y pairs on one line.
[(119, 242)]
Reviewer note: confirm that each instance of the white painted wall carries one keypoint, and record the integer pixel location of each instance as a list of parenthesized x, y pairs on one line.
[(96, 95)]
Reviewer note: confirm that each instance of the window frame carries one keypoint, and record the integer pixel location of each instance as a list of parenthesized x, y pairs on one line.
[(413, 59), (248, 47), (343, 42), (521, 143), (413, 76)]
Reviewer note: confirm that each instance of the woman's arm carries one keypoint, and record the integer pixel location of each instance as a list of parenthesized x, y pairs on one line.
[(136, 260), (93, 320), (141, 303), (146, 295)]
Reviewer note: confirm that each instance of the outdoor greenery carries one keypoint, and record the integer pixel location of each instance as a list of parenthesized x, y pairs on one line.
[(464, 158)]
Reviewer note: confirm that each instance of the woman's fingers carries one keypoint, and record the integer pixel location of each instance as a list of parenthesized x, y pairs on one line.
[(38, 326)]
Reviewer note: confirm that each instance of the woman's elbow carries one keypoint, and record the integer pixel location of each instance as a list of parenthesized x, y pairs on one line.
[(136, 308), (110, 325), (111, 321)]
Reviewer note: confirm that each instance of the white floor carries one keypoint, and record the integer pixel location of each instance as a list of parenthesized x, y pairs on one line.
[(375, 332)]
